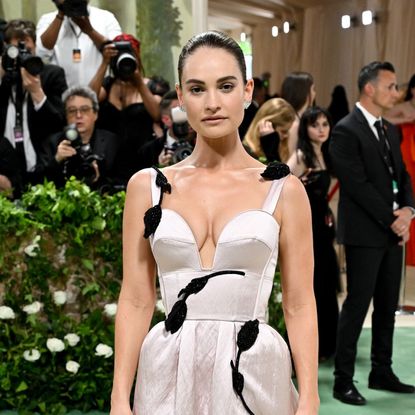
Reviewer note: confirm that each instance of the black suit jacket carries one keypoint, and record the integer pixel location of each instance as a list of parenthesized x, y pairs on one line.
[(365, 210), (103, 143), (51, 116)]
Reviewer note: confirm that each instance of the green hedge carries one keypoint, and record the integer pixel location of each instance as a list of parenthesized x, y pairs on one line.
[(60, 275)]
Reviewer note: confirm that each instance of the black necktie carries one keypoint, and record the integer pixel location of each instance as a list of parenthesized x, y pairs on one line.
[(384, 145)]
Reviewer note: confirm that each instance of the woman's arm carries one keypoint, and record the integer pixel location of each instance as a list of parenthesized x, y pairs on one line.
[(137, 297), (296, 264)]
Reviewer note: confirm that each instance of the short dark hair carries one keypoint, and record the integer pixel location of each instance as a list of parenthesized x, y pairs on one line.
[(370, 72), (212, 39), (167, 99), (19, 29), (296, 88)]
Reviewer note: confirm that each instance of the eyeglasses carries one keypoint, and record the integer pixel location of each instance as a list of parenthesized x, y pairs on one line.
[(72, 111)]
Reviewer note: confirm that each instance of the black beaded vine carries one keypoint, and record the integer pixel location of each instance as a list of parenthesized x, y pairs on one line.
[(178, 312), (275, 170), (246, 338), (152, 216)]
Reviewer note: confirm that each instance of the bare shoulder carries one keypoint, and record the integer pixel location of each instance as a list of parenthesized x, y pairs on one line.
[(293, 199), (139, 187)]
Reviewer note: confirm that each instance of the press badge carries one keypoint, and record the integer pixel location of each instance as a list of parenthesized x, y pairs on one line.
[(76, 55), (18, 134)]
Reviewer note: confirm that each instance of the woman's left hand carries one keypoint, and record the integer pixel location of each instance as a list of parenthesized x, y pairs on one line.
[(265, 127)]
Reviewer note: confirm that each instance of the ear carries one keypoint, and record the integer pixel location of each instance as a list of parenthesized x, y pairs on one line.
[(369, 89), (249, 89), (179, 94), (166, 120)]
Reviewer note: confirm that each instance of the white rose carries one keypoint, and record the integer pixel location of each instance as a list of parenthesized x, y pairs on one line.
[(72, 339), (6, 313), (72, 366), (32, 308), (60, 297), (103, 350), (31, 250), (31, 355), (160, 306), (55, 345), (110, 309)]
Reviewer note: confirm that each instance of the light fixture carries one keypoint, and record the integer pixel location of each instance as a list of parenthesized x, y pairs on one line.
[(243, 36), (286, 27), (274, 31), (367, 17), (346, 21)]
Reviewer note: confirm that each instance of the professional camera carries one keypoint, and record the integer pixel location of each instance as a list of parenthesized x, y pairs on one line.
[(80, 165), (73, 8), (16, 57), (124, 63), (182, 147)]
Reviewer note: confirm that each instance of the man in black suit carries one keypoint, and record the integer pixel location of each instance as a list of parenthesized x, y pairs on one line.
[(81, 150), (375, 212), (36, 97)]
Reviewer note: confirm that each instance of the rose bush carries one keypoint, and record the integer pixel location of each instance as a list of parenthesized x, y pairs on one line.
[(60, 275)]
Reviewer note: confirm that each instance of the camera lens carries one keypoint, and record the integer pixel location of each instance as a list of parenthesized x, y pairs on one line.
[(33, 65), (126, 65)]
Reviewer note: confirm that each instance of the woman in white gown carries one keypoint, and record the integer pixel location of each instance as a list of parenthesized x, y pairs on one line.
[(214, 227)]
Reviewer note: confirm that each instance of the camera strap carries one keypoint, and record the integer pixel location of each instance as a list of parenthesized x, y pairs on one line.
[(18, 125)]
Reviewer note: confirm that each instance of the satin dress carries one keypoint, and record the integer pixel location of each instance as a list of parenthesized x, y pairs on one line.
[(190, 369)]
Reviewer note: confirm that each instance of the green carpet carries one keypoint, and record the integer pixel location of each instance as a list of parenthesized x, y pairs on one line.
[(378, 402)]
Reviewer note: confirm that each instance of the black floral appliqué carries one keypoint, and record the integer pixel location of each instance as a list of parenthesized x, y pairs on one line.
[(275, 170), (178, 312), (152, 217), (246, 338)]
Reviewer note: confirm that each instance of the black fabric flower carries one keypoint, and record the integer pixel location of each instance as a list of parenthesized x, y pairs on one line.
[(275, 170), (237, 380), (161, 181), (194, 286), (176, 316), (151, 220), (247, 335)]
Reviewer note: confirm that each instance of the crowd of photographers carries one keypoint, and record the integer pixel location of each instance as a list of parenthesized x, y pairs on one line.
[(74, 102)]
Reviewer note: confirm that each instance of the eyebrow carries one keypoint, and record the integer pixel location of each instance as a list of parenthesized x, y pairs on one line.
[(224, 78)]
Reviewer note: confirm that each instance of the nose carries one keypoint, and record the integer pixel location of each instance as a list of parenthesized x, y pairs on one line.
[(212, 101)]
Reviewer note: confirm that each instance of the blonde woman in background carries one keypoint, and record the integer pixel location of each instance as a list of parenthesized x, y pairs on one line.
[(267, 136)]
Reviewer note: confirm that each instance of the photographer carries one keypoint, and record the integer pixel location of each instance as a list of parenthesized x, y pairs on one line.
[(177, 141), (80, 150), (73, 37), (127, 106), (30, 101)]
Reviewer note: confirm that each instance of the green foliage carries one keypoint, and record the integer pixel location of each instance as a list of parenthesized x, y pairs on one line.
[(158, 28), (60, 253)]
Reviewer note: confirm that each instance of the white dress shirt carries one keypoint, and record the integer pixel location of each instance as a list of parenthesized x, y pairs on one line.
[(71, 37)]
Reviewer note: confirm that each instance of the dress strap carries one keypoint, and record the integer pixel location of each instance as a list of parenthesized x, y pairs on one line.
[(155, 190), (273, 195)]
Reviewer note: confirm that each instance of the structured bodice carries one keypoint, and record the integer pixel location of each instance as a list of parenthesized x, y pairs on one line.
[(247, 243)]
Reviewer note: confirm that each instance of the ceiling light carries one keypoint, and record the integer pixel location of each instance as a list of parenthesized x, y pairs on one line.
[(274, 31), (286, 27), (346, 21), (367, 17), (243, 36)]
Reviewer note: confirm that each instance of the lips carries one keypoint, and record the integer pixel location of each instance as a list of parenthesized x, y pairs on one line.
[(213, 119)]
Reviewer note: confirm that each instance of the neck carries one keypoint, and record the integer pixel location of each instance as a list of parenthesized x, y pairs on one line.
[(317, 148), (218, 153), (86, 136), (368, 104)]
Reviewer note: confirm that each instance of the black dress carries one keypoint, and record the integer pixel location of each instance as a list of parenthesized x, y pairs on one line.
[(134, 125), (326, 270)]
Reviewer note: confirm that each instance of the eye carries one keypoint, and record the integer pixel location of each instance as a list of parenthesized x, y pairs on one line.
[(228, 87), (195, 90)]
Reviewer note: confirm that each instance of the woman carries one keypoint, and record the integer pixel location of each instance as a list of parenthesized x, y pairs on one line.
[(267, 136), (403, 114), (299, 90), (127, 106), (215, 262), (310, 163)]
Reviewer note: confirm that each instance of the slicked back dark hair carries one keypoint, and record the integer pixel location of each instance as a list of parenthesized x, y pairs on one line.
[(309, 117), (215, 40), (370, 72), (296, 88), (167, 99), (411, 85)]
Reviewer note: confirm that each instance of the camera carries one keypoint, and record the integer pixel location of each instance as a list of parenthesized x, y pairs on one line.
[(182, 147), (16, 57), (80, 165), (124, 63), (73, 8)]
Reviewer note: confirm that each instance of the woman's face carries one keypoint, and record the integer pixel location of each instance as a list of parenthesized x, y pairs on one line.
[(284, 131), (319, 131), (213, 92)]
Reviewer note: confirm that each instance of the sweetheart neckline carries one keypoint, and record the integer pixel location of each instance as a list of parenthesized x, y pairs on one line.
[(233, 218)]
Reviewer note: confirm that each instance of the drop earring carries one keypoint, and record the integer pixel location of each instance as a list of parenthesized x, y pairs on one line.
[(182, 108), (247, 104)]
